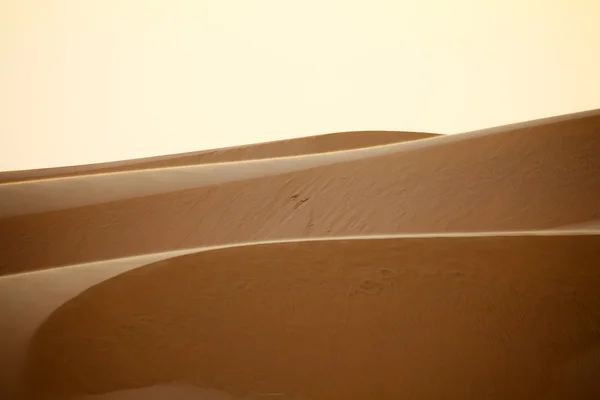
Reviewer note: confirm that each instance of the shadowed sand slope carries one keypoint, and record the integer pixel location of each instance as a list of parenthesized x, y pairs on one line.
[(533, 176), (281, 148), (494, 317)]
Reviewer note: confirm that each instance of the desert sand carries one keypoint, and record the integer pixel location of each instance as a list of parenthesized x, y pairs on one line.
[(282, 148), (536, 176), (361, 265)]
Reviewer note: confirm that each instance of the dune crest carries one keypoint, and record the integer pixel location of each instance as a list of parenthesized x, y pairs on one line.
[(281, 148), (529, 177), (357, 265), (358, 318)]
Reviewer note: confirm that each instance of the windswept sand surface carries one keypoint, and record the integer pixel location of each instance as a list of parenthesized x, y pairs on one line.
[(364, 318), (343, 266), (539, 176), (282, 148)]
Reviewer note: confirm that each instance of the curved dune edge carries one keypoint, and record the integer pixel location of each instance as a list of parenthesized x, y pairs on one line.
[(394, 188), (289, 147), (135, 261), (487, 316), (21, 198), (41, 292), (276, 149), (537, 177)]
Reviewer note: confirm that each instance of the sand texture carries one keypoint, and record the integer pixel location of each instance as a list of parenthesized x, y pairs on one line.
[(282, 148), (534, 177), (358, 265)]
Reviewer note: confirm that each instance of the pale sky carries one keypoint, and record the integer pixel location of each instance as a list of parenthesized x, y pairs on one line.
[(85, 81)]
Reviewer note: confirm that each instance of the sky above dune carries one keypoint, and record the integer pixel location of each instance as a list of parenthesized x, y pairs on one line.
[(89, 81)]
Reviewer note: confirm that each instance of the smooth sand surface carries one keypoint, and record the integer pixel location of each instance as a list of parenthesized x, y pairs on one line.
[(526, 177), (584, 225), (179, 392), (461, 266), (496, 316), (282, 148)]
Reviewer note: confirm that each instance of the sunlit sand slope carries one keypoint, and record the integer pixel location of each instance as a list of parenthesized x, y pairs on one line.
[(539, 175), (494, 317), (281, 148)]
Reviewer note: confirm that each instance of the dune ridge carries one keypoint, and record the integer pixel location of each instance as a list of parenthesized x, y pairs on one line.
[(508, 300), (458, 266), (281, 148), (535, 177), (226, 171)]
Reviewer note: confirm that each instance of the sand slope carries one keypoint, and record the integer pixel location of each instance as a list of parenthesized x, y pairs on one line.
[(532, 176), (280, 148), (595, 224), (454, 306), (492, 317)]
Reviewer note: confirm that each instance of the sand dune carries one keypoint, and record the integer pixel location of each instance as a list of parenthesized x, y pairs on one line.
[(496, 316), (354, 265), (22, 198), (281, 148), (530, 176)]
